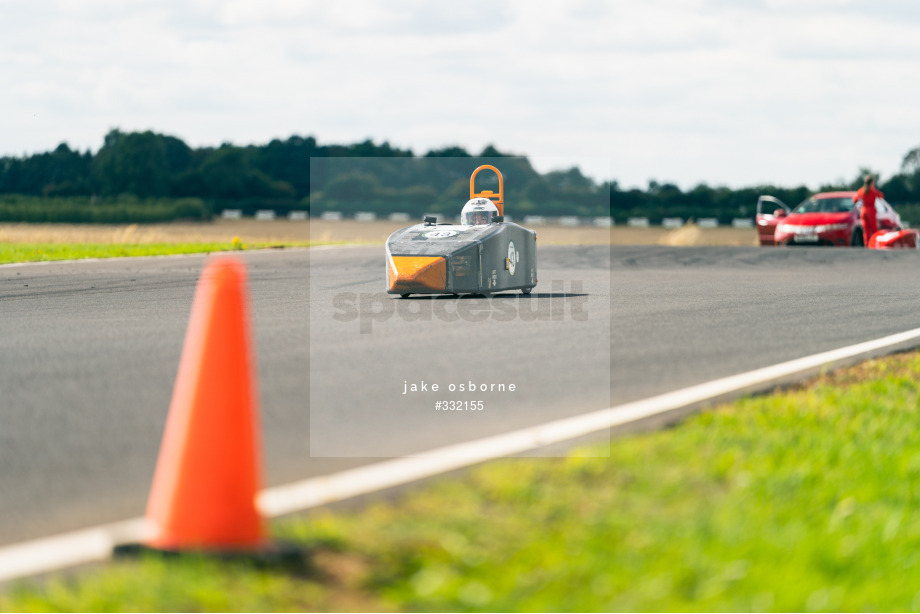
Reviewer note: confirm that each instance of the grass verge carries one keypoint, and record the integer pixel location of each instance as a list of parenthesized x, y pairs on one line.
[(38, 252), (804, 500)]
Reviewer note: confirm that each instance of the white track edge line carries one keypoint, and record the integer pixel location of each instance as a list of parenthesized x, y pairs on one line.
[(96, 543)]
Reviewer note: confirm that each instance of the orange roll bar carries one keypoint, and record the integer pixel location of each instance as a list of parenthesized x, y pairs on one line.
[(498, 199)]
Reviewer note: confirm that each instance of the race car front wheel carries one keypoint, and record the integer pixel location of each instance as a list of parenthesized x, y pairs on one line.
[(856, 240)]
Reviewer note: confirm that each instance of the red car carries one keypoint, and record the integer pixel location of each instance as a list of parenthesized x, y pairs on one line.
[(828, 218)]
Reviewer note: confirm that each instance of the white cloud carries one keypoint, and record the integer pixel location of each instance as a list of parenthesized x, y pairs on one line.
[(724, 92)]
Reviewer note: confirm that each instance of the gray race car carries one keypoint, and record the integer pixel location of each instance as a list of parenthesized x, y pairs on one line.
[(482, 255)]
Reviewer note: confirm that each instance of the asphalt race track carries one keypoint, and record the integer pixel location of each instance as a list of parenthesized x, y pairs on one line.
[(89, 350)]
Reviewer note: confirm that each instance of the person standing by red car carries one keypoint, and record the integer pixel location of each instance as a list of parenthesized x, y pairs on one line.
[(867, 194)]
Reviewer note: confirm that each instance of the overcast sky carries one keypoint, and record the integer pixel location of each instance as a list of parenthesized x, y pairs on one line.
[(727, 92)]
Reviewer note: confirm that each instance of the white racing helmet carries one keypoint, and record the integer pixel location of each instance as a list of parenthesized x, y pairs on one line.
[(478, 212)]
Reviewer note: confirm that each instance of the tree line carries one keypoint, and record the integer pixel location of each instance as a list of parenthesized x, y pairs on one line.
[(136, 169)]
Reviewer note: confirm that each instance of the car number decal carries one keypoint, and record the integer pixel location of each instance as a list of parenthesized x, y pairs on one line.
[(440, 234)]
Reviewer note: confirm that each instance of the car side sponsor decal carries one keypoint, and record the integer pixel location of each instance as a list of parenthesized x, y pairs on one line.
[(512, 259)]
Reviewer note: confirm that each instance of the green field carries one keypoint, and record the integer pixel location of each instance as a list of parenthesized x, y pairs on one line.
[(804, 500), (38, 252)]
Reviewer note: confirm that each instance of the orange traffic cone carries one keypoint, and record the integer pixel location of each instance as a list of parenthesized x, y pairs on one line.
[(208, 471)]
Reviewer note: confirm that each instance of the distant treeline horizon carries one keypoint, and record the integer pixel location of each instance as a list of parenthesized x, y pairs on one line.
[(147, 176)]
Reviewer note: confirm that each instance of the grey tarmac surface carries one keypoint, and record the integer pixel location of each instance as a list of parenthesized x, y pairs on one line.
[(89, 350)]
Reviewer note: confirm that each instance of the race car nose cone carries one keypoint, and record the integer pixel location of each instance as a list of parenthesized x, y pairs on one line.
[(410, 274)]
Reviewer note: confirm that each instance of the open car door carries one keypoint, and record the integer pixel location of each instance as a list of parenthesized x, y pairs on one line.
[(891, 233), (770, 211), (887, 218)]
